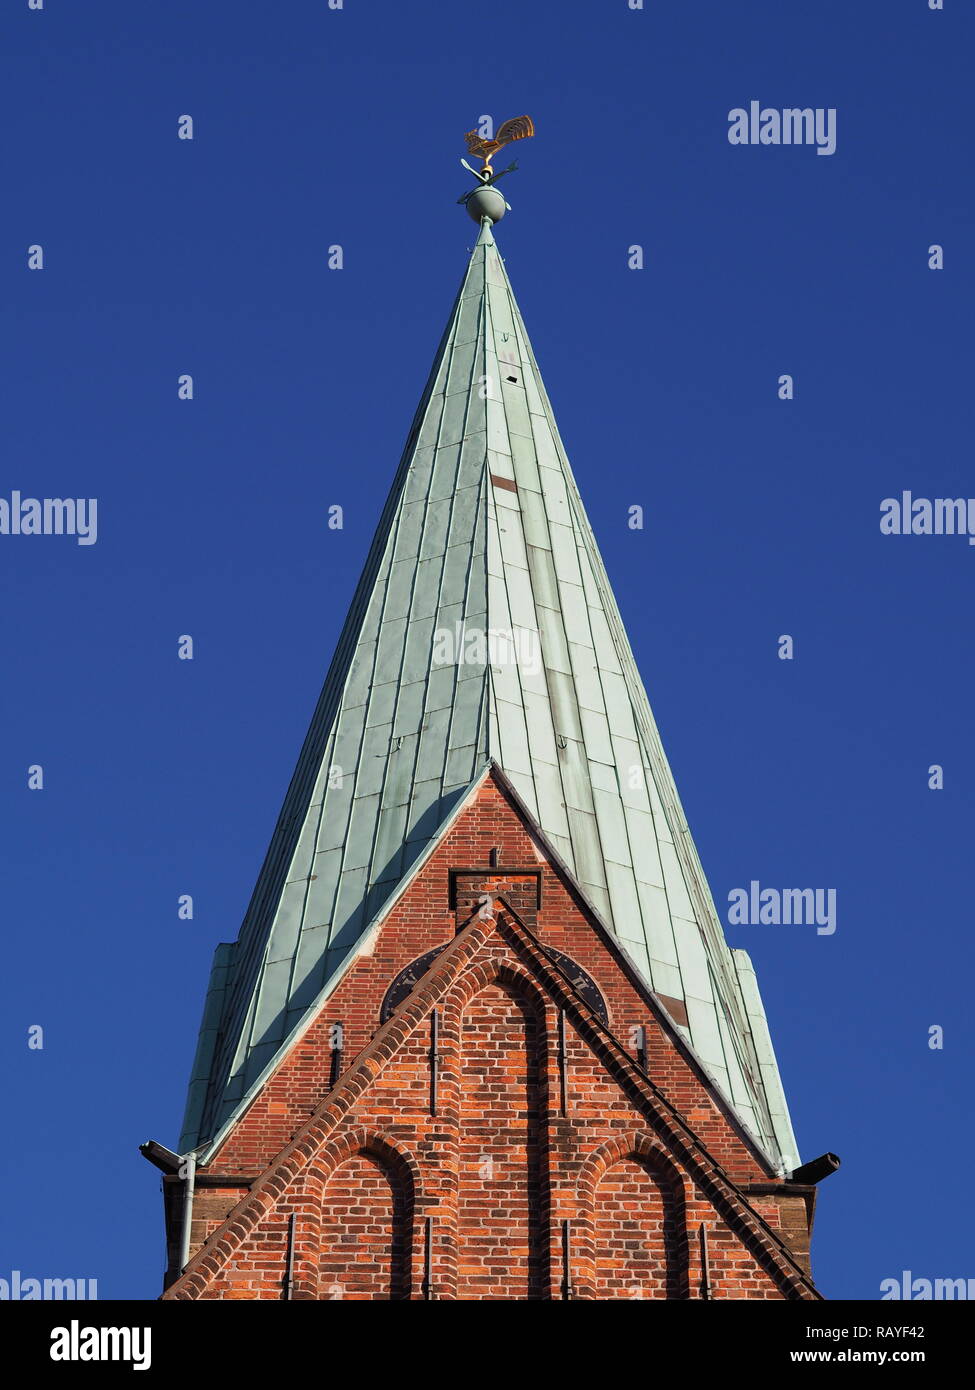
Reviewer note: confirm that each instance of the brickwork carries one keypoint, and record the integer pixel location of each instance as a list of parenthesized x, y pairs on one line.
[(635, 1230), (362, 1232), (500, 1247), (540, 1162)]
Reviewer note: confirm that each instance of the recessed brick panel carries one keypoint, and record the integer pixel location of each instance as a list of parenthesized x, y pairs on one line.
[(635, 1234), (361, 1233), (500, 1252)]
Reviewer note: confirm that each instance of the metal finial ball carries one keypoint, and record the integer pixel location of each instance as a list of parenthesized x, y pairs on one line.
[(486, 202)]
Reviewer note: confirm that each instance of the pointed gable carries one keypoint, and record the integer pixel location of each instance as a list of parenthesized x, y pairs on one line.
[(484, 536), (524, 1123)]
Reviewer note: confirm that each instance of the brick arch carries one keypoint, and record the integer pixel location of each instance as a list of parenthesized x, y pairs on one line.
[(653, 1172), (370, 1154), (498, 1028), (385, 1146), (489, 972)]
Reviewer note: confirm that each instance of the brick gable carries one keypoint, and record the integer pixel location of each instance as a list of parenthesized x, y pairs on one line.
[(496, 1137)]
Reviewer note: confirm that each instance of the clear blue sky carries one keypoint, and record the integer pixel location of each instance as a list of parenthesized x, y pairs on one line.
[(315, 127)]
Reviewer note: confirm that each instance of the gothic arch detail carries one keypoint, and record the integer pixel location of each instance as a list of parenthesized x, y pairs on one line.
[(502, 1087), (641, 1252), (359, 1238)]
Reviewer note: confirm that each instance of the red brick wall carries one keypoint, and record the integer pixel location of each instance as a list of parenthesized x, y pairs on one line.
[(635, 1232), (631, 1182), (500, 1251), (362, 1232)]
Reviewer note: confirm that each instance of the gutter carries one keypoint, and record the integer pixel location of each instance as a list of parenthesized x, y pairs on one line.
[(183, 1166)]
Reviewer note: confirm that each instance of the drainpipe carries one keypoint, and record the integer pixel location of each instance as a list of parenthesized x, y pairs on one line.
[(184, 1236), (815, 1171), (184, 1167)]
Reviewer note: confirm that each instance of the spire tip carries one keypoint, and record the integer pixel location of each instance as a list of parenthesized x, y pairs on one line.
[(486, 203), (483, 201)]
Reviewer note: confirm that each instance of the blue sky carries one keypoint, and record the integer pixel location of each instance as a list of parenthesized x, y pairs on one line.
[(316, 127)]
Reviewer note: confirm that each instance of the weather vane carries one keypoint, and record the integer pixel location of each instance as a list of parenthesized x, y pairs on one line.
[(493, 206)]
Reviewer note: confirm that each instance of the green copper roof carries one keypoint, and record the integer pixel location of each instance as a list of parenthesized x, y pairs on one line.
[(483, 533)]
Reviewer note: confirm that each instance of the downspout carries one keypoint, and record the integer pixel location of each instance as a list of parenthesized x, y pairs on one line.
[(182, 1166), (184, 1236)]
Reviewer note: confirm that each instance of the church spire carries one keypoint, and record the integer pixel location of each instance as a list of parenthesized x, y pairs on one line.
[(483, 632)]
